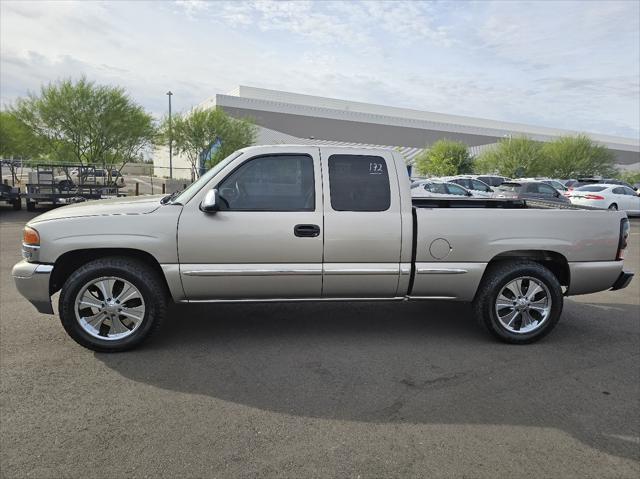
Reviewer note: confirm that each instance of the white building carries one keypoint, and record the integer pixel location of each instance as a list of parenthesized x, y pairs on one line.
[(284, 117)]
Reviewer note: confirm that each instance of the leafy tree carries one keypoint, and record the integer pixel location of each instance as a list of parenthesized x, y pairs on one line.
[(512, 157), (16, 140), (573, 156), (85, 123), (196, 132), (631, 177), (445, 158)]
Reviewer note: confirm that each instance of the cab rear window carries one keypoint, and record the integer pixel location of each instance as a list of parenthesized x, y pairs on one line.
[(359, 183)]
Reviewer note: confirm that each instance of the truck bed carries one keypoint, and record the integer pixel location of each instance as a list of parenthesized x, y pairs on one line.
[(491, 203)]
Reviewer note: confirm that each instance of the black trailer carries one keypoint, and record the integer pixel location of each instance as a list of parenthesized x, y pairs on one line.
[(9, 194), (63, 184)]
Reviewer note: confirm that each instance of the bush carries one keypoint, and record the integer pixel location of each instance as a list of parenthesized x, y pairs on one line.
[(445, 158)]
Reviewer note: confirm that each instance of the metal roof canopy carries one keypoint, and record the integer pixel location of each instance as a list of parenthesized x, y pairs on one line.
[(333, 120)]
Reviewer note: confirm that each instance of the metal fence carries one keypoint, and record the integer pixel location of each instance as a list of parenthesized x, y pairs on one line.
[(158, 182)]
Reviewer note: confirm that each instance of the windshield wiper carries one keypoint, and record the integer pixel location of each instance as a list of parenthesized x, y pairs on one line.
[(170, 197)]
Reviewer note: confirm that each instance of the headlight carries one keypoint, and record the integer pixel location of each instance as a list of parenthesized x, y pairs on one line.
[(30, 237)]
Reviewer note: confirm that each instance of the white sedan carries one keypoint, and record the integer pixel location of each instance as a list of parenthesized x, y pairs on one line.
[(613, 197)]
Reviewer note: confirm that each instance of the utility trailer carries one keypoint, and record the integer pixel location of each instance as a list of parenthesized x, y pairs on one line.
[(67, 183), (9, 194)]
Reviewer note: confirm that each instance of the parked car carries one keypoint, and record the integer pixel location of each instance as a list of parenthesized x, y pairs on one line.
[(613, 197), (301, 223), (530, 190), (436, 188), (596, 181), (477, 187)]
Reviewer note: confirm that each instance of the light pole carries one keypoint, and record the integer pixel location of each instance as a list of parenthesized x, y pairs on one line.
[(170, 139)]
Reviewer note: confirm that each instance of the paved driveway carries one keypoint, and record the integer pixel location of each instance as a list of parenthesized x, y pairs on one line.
[(322, 390)]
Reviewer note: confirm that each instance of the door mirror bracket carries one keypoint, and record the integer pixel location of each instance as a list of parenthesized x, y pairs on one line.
[(211, 202)]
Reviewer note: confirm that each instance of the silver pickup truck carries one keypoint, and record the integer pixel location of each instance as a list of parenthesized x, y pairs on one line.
[(304, 223)]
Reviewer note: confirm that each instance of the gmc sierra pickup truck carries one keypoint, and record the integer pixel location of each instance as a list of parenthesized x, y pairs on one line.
[(305, 223)]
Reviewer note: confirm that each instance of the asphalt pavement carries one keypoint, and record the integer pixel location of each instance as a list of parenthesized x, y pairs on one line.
[(322, 390)]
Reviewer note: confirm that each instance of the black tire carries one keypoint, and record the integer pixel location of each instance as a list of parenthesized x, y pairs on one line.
[(495, 279), (140, 275), (613, 207), (17, 204), (31, 205)]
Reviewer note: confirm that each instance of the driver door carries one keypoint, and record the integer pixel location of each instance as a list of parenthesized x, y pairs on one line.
[(266, 240)]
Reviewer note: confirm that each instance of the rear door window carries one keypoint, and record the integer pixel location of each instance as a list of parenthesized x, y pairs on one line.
[(359, 183), (438, 188), (546, 190), (479, 185), (456, 190)]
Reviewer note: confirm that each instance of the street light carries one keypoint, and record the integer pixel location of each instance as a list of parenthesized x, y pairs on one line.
[(170, 139)]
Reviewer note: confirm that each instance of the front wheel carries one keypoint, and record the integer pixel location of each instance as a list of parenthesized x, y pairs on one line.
[(519, 302), (112, 304)]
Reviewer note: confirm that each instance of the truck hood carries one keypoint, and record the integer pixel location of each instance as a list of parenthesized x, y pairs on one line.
[(137, 205)]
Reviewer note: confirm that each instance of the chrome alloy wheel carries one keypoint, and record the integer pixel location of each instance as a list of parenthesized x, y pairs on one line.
[(109, 308), (523, 305)]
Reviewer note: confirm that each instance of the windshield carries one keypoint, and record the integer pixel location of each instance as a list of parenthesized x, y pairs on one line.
[(204, 179)]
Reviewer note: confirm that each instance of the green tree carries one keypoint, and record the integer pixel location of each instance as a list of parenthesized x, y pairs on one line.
[(574, 156), (445, 158), (512, 157), (85, 123), (16, 139), (196, 131), (631, 177)]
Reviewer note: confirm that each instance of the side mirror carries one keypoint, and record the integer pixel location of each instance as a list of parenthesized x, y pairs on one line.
[(211, 202)]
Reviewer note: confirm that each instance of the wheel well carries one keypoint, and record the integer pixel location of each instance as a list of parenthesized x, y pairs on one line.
[(72, 260), (553, 261)]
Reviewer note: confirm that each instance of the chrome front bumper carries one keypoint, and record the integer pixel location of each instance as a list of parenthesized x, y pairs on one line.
[(32, 281)]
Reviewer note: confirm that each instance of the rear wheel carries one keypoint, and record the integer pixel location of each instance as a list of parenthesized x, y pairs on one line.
[(112, 304), (613, 206), (519, 302), (31, 205), (17, 204)]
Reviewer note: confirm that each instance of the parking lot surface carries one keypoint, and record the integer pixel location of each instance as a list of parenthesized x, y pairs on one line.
[(322, 390)]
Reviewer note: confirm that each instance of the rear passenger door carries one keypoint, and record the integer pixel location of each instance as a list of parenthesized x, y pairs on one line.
[(362, 224)]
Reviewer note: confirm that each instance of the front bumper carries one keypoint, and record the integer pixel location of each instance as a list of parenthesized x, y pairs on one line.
[(32, 281), (623, 280)]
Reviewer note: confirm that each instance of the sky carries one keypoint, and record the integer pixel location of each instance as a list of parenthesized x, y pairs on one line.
[(572, 65)]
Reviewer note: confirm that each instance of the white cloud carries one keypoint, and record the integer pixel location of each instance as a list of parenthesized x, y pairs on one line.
[(572, 66)]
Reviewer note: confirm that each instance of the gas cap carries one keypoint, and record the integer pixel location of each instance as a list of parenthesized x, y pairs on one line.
[(440, 248)]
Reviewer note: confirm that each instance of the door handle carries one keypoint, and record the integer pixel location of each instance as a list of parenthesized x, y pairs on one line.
[(306, 231)]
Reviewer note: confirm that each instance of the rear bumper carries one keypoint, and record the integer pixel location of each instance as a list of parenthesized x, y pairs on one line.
[(623, 280), (593, 276), (32, 282)]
